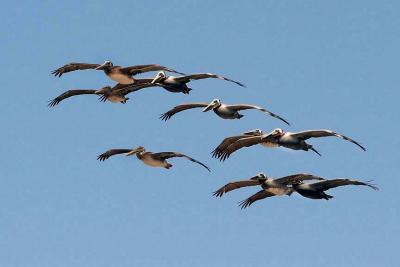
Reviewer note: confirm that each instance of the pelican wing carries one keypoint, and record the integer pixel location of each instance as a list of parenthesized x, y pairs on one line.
[(297, 178), (224, 144), (324, 133), (73, 67), (245, 106), (167, 115), (243, 142), (133, 70), (328, 184), (235, 185), (230, 140), (188, 78), (68, 94), (257, 196), (167, 155), (112, 152)]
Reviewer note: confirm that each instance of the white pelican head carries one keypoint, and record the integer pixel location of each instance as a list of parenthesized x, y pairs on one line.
[(105, 65), (213, 104), (260, 177), (278, 132), (160, 76)]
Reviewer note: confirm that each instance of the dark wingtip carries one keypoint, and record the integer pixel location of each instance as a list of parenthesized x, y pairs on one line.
[(164, 117), (218, 193), (102, 157), (53, 103)]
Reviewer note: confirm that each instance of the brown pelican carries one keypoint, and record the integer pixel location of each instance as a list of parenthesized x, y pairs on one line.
[(317, 190), (276, 138), (313, 191), (179, 84), (149, 158), (222, 110), (116, 94), (119, 74)]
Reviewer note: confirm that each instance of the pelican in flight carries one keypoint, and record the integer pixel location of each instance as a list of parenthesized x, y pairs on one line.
[(224, 111), (116, 94), (119, 74), (179, 84), (317, 190), (313, 191), (149, 158), (276, 138)]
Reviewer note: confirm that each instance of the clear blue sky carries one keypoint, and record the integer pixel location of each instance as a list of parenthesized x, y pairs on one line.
[(320, 64)]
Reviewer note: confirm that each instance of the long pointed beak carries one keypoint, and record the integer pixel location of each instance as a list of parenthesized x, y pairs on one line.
[(100, 67), (156, 79), (209, 107), (133, 152)]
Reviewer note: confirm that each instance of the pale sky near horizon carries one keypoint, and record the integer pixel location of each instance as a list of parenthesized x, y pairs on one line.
[(319, 64)]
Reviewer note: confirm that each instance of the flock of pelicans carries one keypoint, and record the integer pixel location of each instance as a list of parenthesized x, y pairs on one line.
[(126, 84)]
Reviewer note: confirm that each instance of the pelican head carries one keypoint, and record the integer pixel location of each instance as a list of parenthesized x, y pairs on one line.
[(106, 64), (260, 177), (104, 90), (254, 132), (160, 76), (135, 151), (213, 104), (278, 132)]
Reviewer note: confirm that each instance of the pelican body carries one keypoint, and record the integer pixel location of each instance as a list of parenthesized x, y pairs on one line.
[(149, 158), (224, 111)]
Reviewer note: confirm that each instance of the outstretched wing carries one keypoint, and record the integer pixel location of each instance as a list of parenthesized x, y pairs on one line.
[(167, 155), (324, 133), (133, 70), (230, 140), (245, 106), (68, 94), (217, 152), (297, 178), (328, 184), (112, 152), (257, 196), (243, 142), (235, 185), (73, 66), (188, 78), (167, 115)]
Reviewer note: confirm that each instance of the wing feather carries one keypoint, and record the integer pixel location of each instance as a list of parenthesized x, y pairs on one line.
[(246, 106), (297, 178), (235, 185), (73, 66), (68, 94), (257, 196), (241, 143), (167, 155), (188, 78), (167, 115), (328, 184), (112, 152), (324, 133)]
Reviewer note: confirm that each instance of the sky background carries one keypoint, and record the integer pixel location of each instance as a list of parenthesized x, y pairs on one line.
[(319, 64)]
